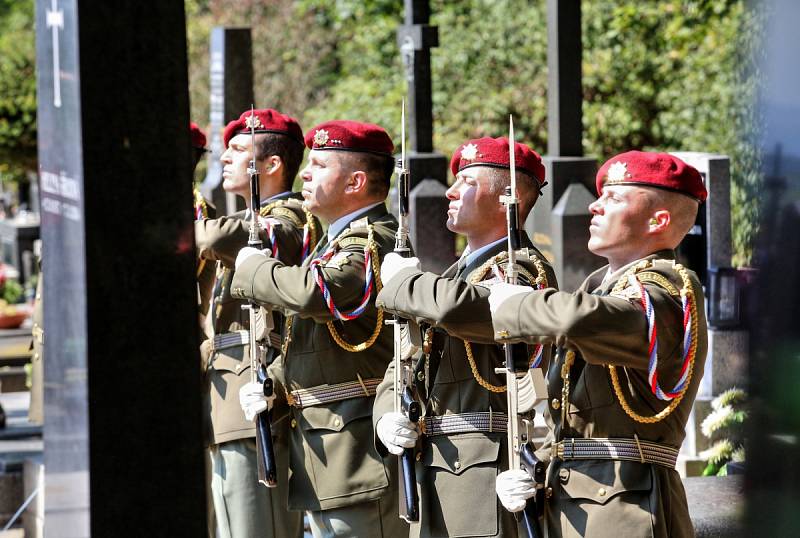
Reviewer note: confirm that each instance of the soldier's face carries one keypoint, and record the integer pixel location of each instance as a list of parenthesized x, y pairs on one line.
[(473, 207), (324, 181), (235, 161), (619, 225)]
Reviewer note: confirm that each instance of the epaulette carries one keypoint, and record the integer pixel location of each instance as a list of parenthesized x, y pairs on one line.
[(345, 242), (647, 273), (280, 208), (359, 225)]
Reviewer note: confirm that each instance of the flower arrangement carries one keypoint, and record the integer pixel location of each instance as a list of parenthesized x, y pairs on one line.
[(725, 424)]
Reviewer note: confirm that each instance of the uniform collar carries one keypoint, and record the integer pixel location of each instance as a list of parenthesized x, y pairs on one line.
[(341, 223), (609, 279)]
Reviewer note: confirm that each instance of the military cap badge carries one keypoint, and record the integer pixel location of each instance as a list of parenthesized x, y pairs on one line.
[(321, 137), (469, 152), (617, 172), (252, 122)]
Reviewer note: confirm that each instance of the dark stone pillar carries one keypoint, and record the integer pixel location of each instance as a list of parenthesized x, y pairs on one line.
[(564, 92), (123, 444), (231, 67)]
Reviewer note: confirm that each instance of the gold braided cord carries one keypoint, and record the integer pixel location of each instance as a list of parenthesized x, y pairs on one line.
[(477, 276), (312, 230), (200, 202), (376, 269), (686, 291)]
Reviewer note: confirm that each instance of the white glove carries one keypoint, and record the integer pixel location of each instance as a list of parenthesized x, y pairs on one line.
[(501, 292), (253, 401), (396, 432), (514, 488), (245, 253), (393, 263)]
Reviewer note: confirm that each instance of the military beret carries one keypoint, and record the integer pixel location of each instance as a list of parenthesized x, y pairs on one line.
[(652, 169), (198, 136), (265, 120), (350, 136), (493, 152)]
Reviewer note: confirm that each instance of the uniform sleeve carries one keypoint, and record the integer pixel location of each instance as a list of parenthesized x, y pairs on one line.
[(293, 288), (604, 329), (451, 304), (384, 403), (221, 239)]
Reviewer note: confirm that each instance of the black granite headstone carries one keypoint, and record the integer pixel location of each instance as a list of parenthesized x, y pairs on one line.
[(123, 445), (231, 76)]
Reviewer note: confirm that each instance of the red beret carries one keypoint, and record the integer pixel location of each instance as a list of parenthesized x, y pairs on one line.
[(266, 120), (198, 136), (493, 152), (652, 169), (350, 136)]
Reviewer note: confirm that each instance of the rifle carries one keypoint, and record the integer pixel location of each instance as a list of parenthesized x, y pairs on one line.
[(520, 449), (265, 452), (403, 369)]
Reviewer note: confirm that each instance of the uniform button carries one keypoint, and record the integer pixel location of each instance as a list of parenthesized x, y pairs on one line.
[(337, 422), (548, 493), (421, 376), (601, 492), (457, 465), (238, 367), (294, 423), (556, 403)]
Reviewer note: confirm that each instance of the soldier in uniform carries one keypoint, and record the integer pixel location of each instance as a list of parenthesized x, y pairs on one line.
[(464, 424), (202, 210), (337, 348), (632, 345), (243, 506)]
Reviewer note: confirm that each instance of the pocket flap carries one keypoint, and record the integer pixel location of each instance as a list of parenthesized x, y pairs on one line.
[(456, 454), (599, 481), (335, 416), (233, 359)]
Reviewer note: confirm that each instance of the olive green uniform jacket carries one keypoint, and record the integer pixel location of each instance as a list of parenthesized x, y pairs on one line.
[(598, 498), (333, 462), (228, 369), (456, 473)]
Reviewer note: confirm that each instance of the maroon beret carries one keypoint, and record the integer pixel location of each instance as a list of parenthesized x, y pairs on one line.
[(493, 152), (652, 169), (265, 120), (198, 136), (350, 136)]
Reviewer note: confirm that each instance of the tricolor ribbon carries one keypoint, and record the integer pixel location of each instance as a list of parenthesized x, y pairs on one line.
[(319, 278), (652, 368)]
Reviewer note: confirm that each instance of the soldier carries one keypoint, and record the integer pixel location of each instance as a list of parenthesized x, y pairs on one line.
[(632, 346), (336, 349), (464, 422), (244, 507), (202, 210)]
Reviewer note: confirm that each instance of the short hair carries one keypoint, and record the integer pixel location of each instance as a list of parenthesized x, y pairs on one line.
[(379, 169), (527, 186), (682, 209), (288, 149)]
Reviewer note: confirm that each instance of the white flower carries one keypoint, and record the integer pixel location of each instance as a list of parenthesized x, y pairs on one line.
[(716, 419)]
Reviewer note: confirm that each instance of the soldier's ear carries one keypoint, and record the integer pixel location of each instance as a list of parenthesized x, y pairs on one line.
[(660, 221), (357, 182)]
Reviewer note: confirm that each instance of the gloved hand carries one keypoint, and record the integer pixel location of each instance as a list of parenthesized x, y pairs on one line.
[(253, 401), (514, 488), (501, 292), (245, 253), (393, 263), (396, 432)]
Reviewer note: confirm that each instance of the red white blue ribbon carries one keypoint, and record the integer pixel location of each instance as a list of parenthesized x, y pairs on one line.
[(319, 278), (306, 242), (652, 369), (273, 239)]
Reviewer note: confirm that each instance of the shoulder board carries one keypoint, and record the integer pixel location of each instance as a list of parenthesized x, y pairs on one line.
[(345, 242), (651, 277), (631, 293), (281, 208)]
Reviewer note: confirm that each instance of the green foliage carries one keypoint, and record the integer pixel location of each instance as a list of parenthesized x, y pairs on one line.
[(17, 90), (725, 425)]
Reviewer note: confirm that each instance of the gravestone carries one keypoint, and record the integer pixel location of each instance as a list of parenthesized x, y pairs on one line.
[(123, 445), (709, 245), (562, 235), (231, 76), (433, 243)]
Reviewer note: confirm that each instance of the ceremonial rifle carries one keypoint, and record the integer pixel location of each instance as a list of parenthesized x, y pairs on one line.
[(520, 449), (265, 452), (403, 369)]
